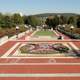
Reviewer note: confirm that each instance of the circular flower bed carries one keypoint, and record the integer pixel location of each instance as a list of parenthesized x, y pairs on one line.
[(44, 48)]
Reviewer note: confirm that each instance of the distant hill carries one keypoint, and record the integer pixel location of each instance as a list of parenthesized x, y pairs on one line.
[(52, 14)]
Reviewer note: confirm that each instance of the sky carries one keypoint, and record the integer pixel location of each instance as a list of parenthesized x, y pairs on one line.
[(30, 7)]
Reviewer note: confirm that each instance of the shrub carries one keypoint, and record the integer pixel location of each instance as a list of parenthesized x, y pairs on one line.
[(2, 32), (22, 29), (60, 47), (10, 32)]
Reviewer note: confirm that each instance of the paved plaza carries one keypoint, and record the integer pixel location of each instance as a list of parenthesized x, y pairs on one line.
[(39, 66)]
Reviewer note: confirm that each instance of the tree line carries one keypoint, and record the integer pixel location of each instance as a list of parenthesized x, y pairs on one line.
[(9, 22), (53, 21)]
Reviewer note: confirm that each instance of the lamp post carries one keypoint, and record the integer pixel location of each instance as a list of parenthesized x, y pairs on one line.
[(64, 27), (72, 27), (26, 28), (17, 30), (58, 27), (30, 28)]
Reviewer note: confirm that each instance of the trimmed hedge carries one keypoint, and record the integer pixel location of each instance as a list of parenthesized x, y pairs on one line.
[(71, 35)]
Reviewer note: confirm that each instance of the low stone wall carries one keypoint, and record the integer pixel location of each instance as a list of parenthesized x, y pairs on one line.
[(13, 37), (21, 34), (3, 40)]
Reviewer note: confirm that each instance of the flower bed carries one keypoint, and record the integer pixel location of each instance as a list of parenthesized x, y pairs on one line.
[(44, 48), (60, 47)]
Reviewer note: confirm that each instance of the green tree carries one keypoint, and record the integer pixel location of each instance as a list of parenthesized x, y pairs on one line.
[(52, 22), (71, 20), (1, 19), (17, 19), (49, 22), (62, 20), (7, 22), (55, 22), (33, 21), (25, 18), (78, 21)]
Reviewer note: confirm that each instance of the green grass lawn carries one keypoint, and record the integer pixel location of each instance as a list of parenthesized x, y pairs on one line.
[(45, 33)]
